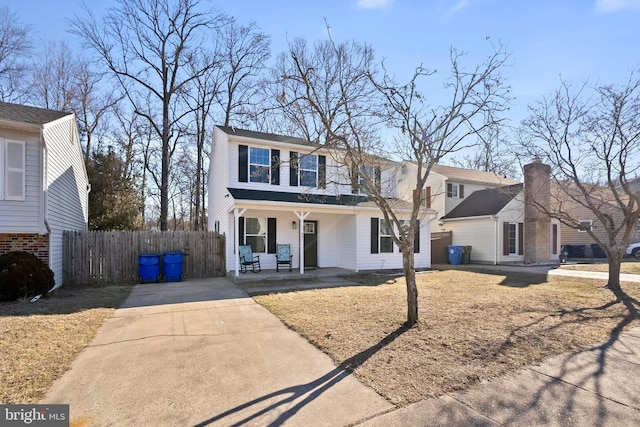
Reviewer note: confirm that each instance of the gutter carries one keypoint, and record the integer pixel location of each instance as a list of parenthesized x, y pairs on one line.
[(45, 176)]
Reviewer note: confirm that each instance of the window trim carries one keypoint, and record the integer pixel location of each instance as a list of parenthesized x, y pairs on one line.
[(458, 188), (266, 166), (264, 233), (302, 170), (5, 169), (383, 226)]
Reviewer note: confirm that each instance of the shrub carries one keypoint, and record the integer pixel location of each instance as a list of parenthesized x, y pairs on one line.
[(23, 275)]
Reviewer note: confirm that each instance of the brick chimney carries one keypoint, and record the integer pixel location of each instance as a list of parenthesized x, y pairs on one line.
[(537, 200)]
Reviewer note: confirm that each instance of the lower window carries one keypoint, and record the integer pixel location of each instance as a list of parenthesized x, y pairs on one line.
[(256, 234)]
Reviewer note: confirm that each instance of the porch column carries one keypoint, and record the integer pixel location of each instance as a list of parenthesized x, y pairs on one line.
[(301, 217), (236, 238)]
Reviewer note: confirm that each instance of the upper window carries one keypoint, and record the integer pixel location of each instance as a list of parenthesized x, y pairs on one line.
[(638, 225), (455, 191), (256, 234), (12, 170), (308, 170), (584, 226), (259, 165)]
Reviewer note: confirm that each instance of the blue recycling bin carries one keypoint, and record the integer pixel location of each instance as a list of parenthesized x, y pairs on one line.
[(172, 266), (149, 267), (455, 254)]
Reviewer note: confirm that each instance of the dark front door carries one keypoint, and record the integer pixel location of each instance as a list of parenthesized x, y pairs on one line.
[(310, 244)]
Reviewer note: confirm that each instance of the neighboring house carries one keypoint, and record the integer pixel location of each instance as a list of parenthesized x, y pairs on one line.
[(603, 202), (267, 189), (448, 186), (502, 224), (43, 182)]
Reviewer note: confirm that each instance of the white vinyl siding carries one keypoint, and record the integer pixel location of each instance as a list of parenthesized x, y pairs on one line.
[(24, 214), (66, 186)]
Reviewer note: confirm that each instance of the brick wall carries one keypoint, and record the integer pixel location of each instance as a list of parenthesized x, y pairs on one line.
[(36, 244)]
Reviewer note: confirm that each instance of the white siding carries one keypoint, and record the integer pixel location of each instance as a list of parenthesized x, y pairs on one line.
[(25, 216), (369, 261), (480, 234), (66, 186)]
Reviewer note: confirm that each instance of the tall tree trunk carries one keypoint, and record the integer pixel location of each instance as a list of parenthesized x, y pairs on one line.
[(164, 180), (412, 289), (614, 272)]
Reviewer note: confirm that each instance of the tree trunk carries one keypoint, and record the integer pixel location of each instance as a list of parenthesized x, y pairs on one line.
[(164, 179), (412, 289), (614, 272)]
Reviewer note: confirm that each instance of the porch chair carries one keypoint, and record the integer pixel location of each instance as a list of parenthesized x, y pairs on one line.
[(248, 259), (283, 256)]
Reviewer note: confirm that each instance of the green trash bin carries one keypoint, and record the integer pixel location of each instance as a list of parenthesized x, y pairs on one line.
[(466, 255)]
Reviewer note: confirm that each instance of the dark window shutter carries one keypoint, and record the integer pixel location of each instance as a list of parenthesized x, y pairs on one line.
[(322, 172), (416, 238), (271, 235), (505, 238), (461, 191), (293, 169), (378, 178), (520, 238), (449, 190), (554, 239), (427, 197), (243, 163), (275, 167), (241, 230), (374, 235)]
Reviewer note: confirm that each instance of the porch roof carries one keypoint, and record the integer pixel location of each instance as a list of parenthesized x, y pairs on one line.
[(279, 196)]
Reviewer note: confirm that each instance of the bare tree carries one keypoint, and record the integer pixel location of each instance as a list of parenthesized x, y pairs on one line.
[(336, 93), (148, 45), (244, 52), (591, 138), (15, 49), (54, 85)]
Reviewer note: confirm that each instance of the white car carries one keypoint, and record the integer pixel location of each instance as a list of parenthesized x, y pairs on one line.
[(633, 250)]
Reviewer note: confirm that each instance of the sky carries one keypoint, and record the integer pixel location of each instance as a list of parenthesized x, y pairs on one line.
[(576, 40)]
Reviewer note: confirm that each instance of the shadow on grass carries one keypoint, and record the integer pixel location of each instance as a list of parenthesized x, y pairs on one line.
[(594, 386), (293, 399)]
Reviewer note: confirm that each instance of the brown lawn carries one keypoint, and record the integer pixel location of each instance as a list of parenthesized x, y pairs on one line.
[(40, 340), (473, 327)]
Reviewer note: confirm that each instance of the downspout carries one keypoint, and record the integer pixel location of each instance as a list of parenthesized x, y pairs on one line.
[(495, 241), (45, 176)]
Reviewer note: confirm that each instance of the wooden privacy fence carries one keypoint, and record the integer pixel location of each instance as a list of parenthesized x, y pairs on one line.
[(102, 257)]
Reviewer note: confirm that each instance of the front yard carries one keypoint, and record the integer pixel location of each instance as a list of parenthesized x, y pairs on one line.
[(40, 340), (473, 327)]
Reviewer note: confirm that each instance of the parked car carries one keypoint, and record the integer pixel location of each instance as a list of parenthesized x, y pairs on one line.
[(633, 250)]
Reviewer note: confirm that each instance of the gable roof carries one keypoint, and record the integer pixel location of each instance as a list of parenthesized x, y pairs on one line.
[(27, 114), (231, 130), (469, 175), (485, 202)]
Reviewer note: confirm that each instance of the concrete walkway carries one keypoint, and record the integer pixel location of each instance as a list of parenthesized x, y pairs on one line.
[(201, 352)]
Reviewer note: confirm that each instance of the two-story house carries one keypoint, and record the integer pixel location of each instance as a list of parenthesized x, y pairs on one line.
[(267, 189), (43, 182)]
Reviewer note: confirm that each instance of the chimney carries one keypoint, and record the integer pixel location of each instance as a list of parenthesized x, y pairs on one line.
[(537, 201)]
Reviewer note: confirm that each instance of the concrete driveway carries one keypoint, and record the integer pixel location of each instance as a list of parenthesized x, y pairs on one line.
[(200, 353)]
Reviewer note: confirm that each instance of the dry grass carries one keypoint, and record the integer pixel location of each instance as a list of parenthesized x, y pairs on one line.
[(40, 340), (472, 327), (628, 267)]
